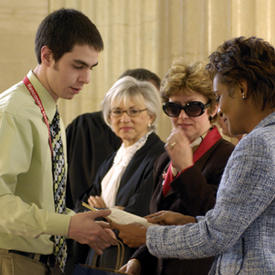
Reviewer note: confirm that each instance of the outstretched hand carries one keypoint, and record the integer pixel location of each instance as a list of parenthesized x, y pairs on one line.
[(133, 234), (85, 230), (166, 217)]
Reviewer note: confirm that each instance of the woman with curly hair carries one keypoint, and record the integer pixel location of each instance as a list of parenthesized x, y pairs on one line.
[(239, 230), (188, 173)]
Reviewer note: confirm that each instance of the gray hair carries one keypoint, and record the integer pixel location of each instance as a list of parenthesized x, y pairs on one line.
[(127, 88)]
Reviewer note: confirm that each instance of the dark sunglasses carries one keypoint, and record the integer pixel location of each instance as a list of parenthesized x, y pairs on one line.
[(192, 108)]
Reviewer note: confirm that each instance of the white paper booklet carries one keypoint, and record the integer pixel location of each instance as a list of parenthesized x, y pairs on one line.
[(123, 217)]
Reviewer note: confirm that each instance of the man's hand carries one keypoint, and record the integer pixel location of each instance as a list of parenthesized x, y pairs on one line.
[(132, 267), (133, 234), (169, 218), (85, 230)]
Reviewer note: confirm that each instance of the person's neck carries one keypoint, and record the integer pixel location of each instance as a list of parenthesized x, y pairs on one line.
[(40, 73), (202, 134), (128, 143), (257, 117)]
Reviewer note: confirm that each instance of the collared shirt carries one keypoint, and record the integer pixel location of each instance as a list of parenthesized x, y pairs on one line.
[(27, 216), (111, 181)]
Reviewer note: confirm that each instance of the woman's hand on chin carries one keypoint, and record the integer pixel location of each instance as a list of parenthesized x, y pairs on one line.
[(179, 149)]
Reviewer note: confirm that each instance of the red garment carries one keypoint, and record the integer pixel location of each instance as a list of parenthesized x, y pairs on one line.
[(212, 137), (168, 178)]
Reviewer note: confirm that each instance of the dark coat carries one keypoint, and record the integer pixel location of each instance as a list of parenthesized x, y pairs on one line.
[(193, 193), (134, 193), (136, 185), (89, 142)]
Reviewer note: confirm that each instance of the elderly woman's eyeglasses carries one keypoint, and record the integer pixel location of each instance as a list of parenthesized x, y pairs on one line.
[(192, 108), (132, 112)]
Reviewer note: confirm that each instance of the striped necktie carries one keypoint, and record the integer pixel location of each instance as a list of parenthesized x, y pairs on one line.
[(59, 186)]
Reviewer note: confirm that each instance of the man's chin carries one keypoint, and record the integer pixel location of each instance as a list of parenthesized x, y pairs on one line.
[(68, 97)]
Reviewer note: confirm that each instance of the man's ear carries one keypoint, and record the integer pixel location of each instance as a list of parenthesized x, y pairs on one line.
[(46, 56)]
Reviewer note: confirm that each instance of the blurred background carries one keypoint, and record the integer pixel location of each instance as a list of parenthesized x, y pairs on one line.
[(136, 33)]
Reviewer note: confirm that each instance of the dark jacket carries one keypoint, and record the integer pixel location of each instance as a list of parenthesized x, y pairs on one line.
[(193, 193), (134, 193), (136, 185), (89, 142)]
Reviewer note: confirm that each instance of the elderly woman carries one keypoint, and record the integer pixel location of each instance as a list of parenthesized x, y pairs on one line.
[(239, 230), (124, 180), (188, 174)]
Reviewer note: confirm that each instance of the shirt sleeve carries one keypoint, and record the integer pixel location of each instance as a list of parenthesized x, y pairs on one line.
[(246, 191), (18, 216)]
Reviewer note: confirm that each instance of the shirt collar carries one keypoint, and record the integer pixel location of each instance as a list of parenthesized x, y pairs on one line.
[(47, 101), (196, 143)]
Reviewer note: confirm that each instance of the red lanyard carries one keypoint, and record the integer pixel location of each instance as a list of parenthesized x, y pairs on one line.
[(37, 100)]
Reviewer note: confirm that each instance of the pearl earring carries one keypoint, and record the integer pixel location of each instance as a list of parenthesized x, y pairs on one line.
[(243, 94)]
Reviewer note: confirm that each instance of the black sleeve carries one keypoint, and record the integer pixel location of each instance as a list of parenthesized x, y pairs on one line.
[(89, 142)]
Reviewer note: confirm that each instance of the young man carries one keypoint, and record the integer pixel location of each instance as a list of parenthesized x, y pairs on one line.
[(34, 220)]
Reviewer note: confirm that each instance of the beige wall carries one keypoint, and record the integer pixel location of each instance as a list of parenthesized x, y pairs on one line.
[(18, 23), (137, 33)]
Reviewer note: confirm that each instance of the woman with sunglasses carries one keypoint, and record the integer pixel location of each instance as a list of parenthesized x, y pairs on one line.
[(188, 174), (124, 180)]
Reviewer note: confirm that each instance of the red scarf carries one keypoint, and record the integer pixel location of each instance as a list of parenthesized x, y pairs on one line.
[(212, 137)]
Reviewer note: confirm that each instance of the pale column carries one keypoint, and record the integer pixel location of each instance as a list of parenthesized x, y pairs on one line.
[(243, 18), (152, 33), (19, 21)]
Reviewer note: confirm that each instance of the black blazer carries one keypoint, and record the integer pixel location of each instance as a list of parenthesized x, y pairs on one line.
[(136, 185), (89, 142), (134, 192), (193, 193)]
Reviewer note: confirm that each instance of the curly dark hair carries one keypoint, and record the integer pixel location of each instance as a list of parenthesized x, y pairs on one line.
[(250, 59)]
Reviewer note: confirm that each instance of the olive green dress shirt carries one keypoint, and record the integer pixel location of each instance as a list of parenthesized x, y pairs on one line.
[(27, 215)]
